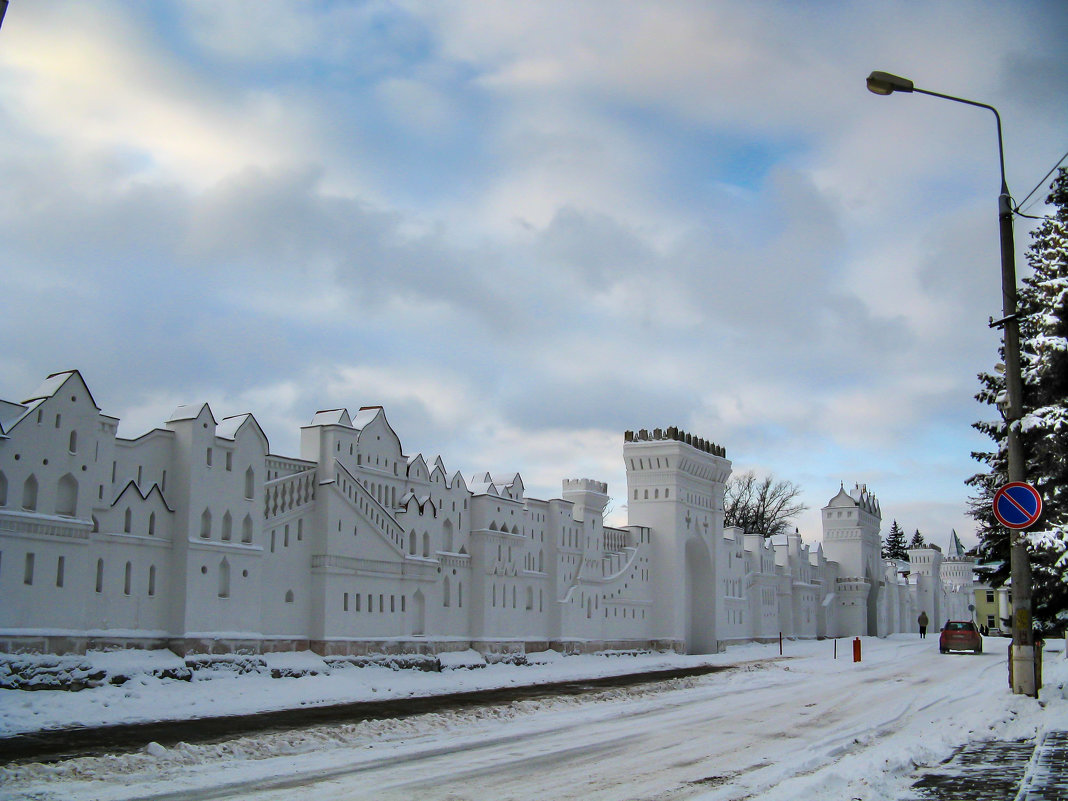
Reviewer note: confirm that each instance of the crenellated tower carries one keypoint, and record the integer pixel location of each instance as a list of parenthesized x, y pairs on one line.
[(675, 484)]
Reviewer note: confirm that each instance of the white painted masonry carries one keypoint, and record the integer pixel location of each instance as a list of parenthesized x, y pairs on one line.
[(196, 538)]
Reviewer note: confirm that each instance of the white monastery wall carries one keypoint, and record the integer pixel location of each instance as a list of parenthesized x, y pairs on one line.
[(195, 537)]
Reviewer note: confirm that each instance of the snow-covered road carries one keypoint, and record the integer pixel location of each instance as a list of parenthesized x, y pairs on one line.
[(804, 726)]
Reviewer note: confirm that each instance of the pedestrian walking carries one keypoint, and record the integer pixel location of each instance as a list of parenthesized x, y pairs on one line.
[(923, 621)]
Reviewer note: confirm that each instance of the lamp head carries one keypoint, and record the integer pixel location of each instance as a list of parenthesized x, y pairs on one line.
[(883, 83)]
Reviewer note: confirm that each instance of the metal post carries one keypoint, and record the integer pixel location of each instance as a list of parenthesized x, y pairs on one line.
[(1023, 643), (1022, 678)]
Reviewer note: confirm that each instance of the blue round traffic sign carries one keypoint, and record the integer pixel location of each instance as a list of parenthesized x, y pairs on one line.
[(1017, 505)]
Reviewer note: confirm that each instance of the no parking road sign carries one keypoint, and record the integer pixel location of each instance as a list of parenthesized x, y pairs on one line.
[(1017, 505)]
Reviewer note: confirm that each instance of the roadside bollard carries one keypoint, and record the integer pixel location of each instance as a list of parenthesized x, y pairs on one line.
[(856, 649)]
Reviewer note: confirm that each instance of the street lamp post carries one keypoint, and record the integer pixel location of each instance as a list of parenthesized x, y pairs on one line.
[(1023, 673)]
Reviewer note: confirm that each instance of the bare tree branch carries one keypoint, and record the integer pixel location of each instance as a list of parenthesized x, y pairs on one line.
[(761, 506)]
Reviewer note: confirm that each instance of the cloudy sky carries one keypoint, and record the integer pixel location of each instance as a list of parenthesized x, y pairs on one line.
[(524, 228)]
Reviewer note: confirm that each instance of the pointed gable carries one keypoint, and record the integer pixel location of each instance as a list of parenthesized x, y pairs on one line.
[(437, 475), (230, 427), (417, 469), (372, 420), (56, 382), (66, 382)]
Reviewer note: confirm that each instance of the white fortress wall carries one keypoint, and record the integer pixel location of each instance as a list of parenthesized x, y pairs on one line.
[(195, 537)]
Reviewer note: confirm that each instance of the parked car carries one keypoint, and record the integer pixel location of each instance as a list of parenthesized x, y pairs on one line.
[(960, 635)]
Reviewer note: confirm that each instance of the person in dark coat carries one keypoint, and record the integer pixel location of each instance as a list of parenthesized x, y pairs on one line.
[(923, 621)]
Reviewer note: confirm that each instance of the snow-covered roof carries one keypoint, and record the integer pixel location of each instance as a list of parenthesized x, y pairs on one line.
[(331, 417), (11, 413), (51, 385), (365, 416), (227, 428), (190, 411), (483, 488)]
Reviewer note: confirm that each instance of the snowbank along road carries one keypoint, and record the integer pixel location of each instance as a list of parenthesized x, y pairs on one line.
[(804, 726)]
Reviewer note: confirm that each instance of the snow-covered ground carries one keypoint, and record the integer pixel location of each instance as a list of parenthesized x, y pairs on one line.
[(803, 726)]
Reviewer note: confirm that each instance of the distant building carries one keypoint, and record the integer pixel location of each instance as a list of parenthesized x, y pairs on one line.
[(197, 538), (993, 606)]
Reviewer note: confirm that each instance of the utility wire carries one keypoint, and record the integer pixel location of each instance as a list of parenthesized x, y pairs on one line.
[(1037, 186)]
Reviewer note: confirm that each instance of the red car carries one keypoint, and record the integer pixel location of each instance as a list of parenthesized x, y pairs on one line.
[(960, 635)]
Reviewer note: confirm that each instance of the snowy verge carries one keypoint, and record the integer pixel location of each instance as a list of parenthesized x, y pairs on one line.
[(150, 686)]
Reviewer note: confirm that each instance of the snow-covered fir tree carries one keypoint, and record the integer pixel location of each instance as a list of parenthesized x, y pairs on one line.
[(895, 546), (1043, 314)]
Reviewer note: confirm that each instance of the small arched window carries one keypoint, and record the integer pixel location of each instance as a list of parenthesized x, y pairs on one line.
[(227, 526), (152, 580), (289, 596), (127, 521), (72, 444), (411, 543), (67, 496), (29, 494), (250, 483), (426, 544), (127, 578), (224, 578), (205, 524), (152, 524), (99, 575), (246, 529)]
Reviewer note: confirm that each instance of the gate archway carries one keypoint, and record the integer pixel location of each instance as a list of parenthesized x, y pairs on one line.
[(700, 599)]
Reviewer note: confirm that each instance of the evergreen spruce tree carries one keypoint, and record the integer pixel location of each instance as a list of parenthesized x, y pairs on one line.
[(1043, 314), (917, 540), (895, 546)]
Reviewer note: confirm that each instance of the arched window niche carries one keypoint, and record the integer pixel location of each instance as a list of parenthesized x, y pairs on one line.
[(224, 578), (67, 496), (29, 494)]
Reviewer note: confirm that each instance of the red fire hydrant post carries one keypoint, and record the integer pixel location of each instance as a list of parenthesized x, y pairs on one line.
[(856, 649)]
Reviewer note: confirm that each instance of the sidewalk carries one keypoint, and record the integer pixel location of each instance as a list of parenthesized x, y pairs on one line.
[(999, 770)]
